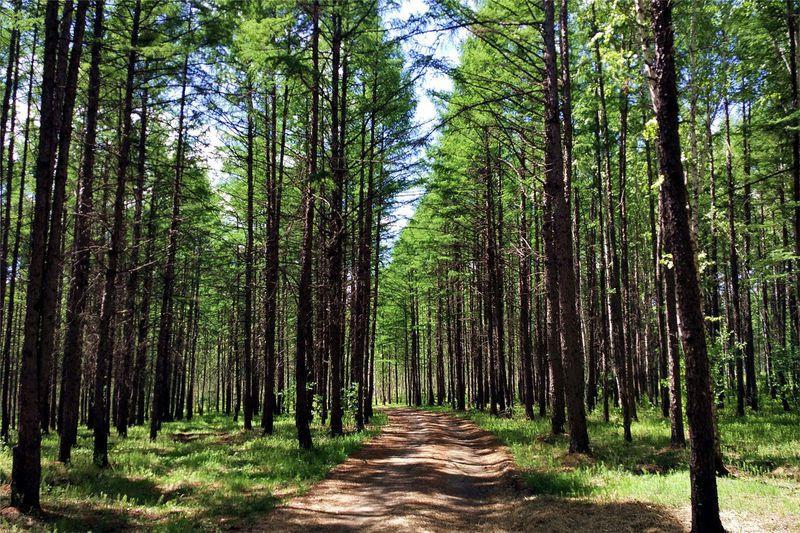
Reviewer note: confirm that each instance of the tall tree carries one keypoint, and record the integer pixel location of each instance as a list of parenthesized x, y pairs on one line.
[(26, 467), (108, 308), (662, 79), (81, 256), (555, 198)]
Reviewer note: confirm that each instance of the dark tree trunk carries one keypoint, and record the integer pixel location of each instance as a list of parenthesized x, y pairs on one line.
[(26, 465), (272, 258), (305, 341), (53, 262), (194, 319), (460, 385), (81, 258), (138, 400), (335, 337), (8, 330), (361, 316), (569, 326), (105, 349), (9, 98), (733, 290), (751, 386), (440, 388), (374, 307), (705, 505), (791, 17), (525, 341), (615, 312), (248, 271)]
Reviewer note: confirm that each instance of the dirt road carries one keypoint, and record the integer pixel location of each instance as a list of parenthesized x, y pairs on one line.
[(426, 471), (433, 472)]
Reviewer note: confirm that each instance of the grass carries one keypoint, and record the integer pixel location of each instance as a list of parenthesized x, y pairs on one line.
[(762, 450), (211, 474), (207, 473)]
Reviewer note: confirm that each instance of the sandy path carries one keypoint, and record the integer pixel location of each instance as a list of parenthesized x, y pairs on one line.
[(426, 471)]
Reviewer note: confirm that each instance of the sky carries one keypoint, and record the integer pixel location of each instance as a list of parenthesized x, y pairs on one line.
[(444, 46)]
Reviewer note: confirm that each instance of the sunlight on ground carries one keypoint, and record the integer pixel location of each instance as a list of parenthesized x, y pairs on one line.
[(207, 473), (762, 451)]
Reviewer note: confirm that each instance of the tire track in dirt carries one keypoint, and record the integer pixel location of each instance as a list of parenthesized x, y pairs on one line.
[(430, 471), (426, 471)]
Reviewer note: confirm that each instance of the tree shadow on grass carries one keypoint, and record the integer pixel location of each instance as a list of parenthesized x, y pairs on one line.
[(558, 483), (648, 454), (70, 517)]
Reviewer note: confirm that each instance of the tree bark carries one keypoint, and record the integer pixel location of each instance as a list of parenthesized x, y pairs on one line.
[(733, 290), (8, 329), (105, 350), (305, 342), (662, 77), (26, 465), (569, 326), (81, 257), (160, 389), (525, 341), (615, 312), (273, 258), (335, 337), (791, 18), (248, 270)]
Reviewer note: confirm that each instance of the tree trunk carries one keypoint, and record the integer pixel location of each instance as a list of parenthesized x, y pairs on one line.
[(272, 259), (26, 465), (138, 403), (615, 314), (9, 98), (305, 341), (81, 257), (791, 17), (335, 257), (105, 350), (751, 386), (525, 342), (160, 389), (569, 326), (248, 271), (736, 306), (662, 77)]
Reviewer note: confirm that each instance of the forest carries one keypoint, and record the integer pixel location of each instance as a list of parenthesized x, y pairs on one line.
[(434, 265)]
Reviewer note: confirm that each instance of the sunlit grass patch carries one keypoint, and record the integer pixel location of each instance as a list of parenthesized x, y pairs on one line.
[(205, 473), (762, 449)]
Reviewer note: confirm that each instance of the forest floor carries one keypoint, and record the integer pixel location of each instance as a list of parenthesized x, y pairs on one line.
[(426, 471), (415, 470), (644, 485), (204, 474), (433, 471)]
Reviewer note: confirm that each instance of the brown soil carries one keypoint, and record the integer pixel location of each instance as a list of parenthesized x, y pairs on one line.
[(425, 471), (433, 472)]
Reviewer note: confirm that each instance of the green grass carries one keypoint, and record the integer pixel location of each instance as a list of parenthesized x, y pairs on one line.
[(208, 473), (763, 451)]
